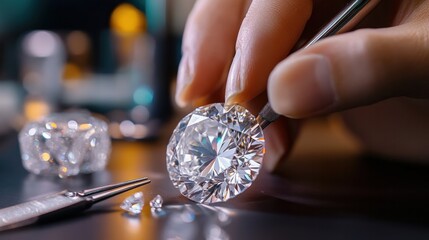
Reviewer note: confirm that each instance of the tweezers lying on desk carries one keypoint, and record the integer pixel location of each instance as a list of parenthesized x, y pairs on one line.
[(62, 203)]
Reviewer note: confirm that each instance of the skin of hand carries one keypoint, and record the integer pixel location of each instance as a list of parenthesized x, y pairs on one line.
[(377, 77)]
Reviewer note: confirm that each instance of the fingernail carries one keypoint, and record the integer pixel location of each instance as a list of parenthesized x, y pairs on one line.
[(234, 84), (303, 86), (184, 78)]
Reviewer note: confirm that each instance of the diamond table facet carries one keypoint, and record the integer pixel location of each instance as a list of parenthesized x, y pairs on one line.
[(65, 144), (215, 153)]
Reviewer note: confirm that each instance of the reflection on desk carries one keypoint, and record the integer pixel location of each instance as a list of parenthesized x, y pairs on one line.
[(329, 191)]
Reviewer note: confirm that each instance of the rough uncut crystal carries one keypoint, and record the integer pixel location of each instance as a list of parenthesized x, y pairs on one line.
[(133, 204), (156, 202), (65, 144), (215, 153)]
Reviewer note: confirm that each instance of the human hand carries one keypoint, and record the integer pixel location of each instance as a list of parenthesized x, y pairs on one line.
[(343, 72)]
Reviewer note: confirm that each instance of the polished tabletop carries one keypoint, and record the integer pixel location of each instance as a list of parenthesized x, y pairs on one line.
[(330, 190)]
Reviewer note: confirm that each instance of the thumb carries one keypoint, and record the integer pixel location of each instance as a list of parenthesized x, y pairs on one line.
[(350, 70)]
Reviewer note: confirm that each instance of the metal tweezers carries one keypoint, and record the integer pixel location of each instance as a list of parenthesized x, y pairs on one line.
[(61, 203)]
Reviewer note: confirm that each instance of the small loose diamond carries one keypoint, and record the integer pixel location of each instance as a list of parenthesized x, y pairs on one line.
[(215, 153), (65, 144), (133, 204), (156, 202)]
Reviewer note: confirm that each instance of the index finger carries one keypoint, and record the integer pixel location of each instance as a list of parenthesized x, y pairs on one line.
[(267, 34)]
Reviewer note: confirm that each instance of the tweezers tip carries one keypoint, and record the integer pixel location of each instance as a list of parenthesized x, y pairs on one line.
[(110, 187), (121, 188)]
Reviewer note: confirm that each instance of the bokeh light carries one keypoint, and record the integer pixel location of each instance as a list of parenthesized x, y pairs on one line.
[(127, 20), (143, 96), (41, 44)]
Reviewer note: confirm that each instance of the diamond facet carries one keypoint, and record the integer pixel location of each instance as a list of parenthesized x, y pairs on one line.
[(133, 204), (156, 202), (215, 153), (65, 144)]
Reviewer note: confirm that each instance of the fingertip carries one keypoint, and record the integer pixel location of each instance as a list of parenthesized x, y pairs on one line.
[(208, 45), (234, 83), (180, 100), (234, 98), (302, 86), (267, 34)]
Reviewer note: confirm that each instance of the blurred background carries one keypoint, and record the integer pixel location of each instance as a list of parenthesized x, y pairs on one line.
[(114, 58)]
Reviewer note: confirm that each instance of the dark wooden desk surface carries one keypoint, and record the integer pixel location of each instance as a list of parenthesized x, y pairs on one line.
[(330, 191)]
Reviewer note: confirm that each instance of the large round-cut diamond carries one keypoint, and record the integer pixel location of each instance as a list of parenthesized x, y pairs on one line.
[(215, 153)]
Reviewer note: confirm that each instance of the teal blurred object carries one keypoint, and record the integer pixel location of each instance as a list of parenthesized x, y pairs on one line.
[(156, 13), (15, 14), (143, 95)]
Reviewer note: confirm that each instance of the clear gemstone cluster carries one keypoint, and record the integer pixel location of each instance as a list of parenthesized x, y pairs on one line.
[(65, 144), (215, 153), (133, 204)]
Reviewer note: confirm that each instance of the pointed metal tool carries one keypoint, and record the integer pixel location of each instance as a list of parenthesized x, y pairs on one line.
[(343, 21), (61, 203)]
